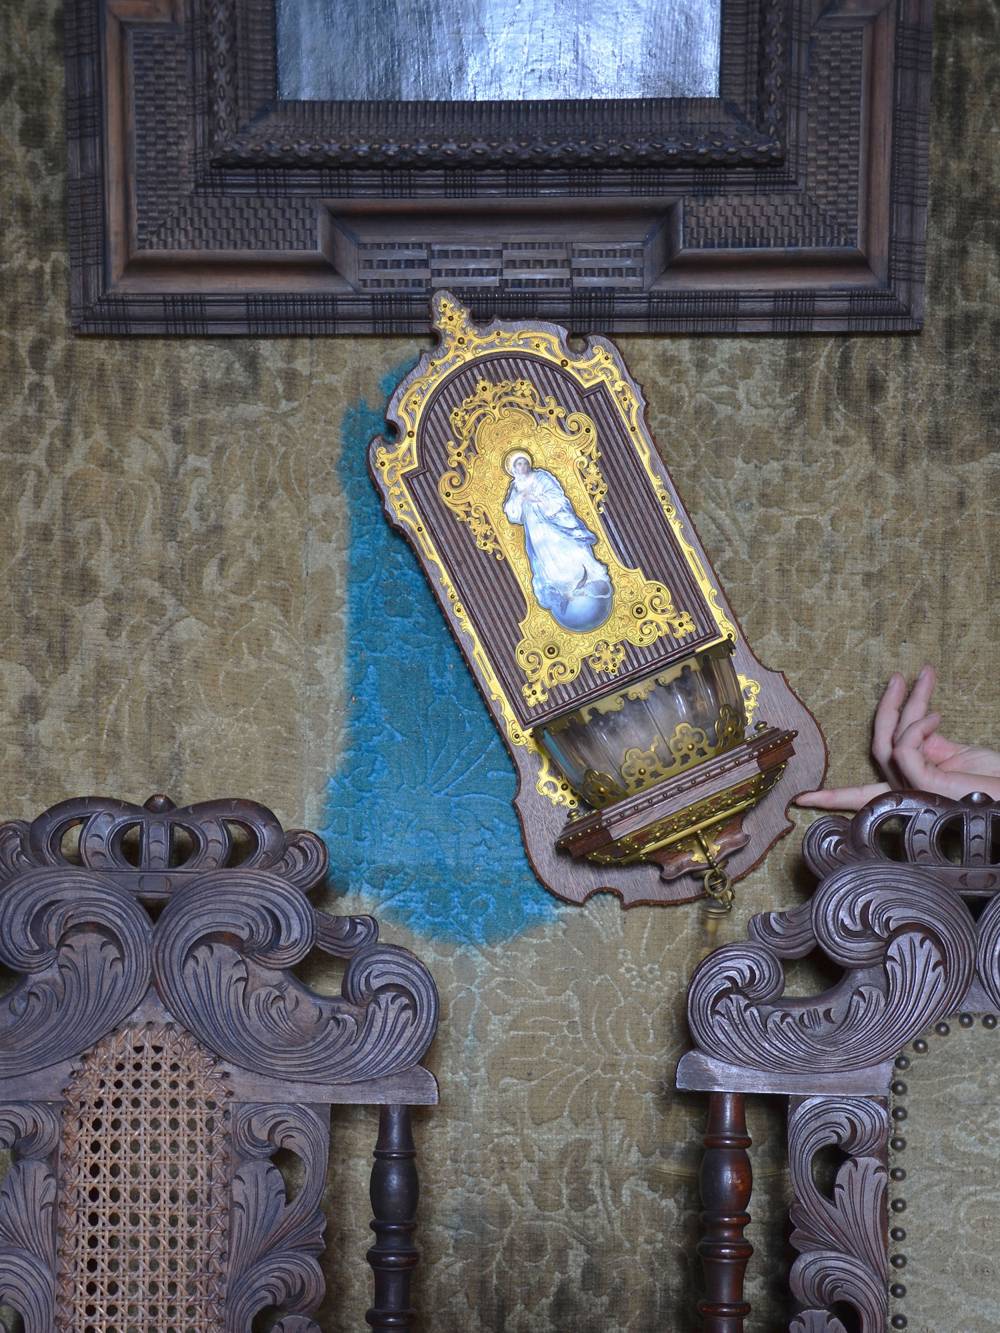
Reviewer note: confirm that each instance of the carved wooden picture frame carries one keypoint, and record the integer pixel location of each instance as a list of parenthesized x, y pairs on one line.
[(202, 204)]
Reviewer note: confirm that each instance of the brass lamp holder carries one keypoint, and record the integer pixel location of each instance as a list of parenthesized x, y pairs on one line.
[(688, 824)]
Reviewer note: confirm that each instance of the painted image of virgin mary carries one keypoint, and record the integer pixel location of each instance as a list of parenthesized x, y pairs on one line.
[(566, 578)]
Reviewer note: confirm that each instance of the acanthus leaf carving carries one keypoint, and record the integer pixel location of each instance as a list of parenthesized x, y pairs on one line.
[(274, 1241), (222, 950), (907, 944), (891, 913), (343, 936), (988, 950), (287, 1280), (263, 1218), (26, 1286), (788, 934), (27, 1213), (94, 969), (852, 1221), (15, 856), (816, 1321), (822, 1278), (825, 847), (30, 1127), (84, 944), (26, 1209), (304, 860)]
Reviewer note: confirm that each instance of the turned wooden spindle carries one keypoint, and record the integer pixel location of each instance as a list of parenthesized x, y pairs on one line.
[(726, 1183), (394, 1193)]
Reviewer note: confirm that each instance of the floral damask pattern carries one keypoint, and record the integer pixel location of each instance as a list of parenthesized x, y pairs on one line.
[(174, 595)]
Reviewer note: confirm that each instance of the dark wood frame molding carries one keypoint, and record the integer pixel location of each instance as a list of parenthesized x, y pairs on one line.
[(745, 124), (895, 913), (199, 204)]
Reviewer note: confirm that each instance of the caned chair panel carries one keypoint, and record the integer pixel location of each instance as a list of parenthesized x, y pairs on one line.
[(157, 1052), (142, 1223)]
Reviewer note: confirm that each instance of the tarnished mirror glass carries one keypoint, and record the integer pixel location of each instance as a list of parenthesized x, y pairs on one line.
[(496, 50)]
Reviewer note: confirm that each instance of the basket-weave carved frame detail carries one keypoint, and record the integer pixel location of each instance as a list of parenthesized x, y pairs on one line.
[(201, 203)]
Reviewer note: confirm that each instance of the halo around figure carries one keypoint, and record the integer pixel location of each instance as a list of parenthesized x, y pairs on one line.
[(511, 458)]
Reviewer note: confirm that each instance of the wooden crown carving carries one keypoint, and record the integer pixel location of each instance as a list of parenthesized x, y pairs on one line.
[(218, 956), (892, 914), (157, 1051), (158, 846)]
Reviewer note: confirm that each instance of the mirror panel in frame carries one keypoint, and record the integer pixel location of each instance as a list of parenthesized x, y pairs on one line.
[(202, 203)]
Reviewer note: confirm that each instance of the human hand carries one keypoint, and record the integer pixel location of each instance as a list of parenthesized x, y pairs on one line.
[(911, 752)]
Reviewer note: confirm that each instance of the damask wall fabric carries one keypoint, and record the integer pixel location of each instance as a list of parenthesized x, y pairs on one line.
[(200, 597)]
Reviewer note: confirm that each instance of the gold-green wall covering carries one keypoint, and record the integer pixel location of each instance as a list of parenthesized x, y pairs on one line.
[(173, 590)]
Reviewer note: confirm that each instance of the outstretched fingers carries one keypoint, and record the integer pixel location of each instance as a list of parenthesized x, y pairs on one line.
[(918, 702), (886, 723), (905, 746), (842, 798), (910, 756)]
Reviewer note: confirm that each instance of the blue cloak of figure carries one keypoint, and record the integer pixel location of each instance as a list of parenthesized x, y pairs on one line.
[(566, 578)]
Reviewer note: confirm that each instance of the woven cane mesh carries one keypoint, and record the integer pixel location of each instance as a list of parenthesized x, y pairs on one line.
[(142, 1223)]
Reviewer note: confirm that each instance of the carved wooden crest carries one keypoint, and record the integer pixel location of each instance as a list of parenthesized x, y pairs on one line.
[(893, 915), (153, 1062)]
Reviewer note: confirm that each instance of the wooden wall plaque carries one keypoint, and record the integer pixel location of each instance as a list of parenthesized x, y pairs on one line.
[(485, 398), (202, 202)]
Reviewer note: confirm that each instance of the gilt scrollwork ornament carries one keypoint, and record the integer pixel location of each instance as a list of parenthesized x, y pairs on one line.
[(506, 419), (546, 660), (750, 689), (686, 746), (521, 469)]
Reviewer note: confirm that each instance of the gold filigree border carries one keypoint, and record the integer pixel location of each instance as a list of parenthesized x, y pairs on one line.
[(461, 342), (506, 417)]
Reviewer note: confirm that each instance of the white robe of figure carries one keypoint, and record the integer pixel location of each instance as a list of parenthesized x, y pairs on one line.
[(566, 578)]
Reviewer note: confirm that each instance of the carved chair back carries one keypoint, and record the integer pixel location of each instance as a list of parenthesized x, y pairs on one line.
[(896, 911), (156, 1053)]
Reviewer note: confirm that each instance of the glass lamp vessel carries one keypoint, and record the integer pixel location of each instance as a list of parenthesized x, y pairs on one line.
[(628, 741), (640, 758)]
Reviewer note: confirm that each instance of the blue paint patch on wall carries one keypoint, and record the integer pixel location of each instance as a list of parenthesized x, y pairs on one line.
[(419, 813)]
